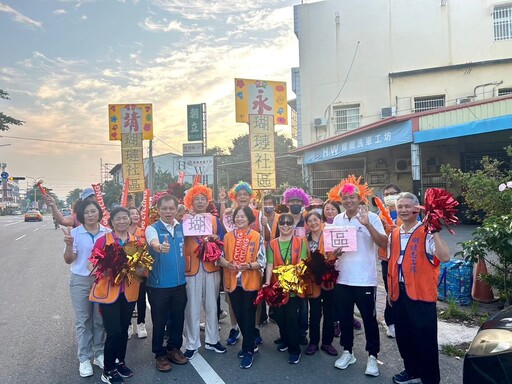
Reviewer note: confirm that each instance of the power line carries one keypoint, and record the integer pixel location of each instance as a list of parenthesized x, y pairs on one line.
[(58, 141)]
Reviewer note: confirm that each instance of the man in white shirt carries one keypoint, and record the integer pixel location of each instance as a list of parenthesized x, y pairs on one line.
[(357, 280)]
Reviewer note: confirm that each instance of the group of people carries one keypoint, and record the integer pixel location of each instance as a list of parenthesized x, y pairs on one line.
[(181, 284)]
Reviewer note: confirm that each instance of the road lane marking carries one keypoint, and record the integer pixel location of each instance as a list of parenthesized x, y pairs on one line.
[(205, 370), (16, 222), (201, 366), (19, 238), (37, 229)]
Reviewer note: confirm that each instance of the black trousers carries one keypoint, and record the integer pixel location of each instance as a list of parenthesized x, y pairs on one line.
[(364, 297), (116, 319), (322, 305), (141, 303), (245, 313), (388, 312), (287, 318), (416, 337), (167, 303)]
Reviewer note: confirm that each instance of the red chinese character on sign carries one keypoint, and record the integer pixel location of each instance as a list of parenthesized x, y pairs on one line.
[(260, 105), (131, 120)]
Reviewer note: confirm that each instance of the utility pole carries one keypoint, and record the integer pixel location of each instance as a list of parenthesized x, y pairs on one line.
[(151, 167)]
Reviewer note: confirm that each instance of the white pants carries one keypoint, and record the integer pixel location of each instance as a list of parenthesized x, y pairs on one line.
[(90, 334), (202, 288)]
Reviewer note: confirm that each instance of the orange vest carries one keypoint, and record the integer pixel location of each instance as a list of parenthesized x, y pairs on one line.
[(420, 275), (383, 251), (313, 289), (106, 293), (251, 279), (192, 261), (140, 234), (296, 249)]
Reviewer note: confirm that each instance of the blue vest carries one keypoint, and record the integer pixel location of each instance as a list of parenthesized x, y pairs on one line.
[(169, 268)]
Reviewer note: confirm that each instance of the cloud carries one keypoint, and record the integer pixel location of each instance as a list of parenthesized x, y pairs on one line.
[(60, 11), (167, 26), (20, 18)]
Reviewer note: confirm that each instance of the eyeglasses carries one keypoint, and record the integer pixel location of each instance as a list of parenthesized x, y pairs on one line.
[(286, 222)]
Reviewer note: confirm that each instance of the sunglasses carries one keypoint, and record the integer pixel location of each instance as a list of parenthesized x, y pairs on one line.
[(286, 222)]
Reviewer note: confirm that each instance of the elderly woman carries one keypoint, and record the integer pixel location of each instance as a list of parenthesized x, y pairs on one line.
[(287, 249), (244, 259), (117, 300), (90, 334)]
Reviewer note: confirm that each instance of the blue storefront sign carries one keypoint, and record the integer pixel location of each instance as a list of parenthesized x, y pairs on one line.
[(389, 136)]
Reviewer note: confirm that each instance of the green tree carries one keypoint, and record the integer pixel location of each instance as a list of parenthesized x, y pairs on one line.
[(73, 196), (6, 120), (111, 193), (162, 179), (482, 192)]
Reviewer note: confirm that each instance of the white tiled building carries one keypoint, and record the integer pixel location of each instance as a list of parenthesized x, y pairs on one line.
[(393, 89)]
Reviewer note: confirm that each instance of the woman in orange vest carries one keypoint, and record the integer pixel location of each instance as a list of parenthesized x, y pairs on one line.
[(321, 296), (285, 250), (117, 301), (244, 259)]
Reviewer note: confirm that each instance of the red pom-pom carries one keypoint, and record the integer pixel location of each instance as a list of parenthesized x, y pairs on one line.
[(273, 295), (439, 207)]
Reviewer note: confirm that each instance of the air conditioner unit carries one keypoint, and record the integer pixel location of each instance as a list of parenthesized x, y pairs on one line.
[(320, 122), (463, 100), (386, 112), (402, 165)]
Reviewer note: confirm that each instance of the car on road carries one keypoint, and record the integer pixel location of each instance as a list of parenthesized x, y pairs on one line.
[(489, 357), (33, 215), (16, 213)]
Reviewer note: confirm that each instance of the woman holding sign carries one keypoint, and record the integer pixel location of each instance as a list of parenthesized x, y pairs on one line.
[(90, 334), (244, 259)]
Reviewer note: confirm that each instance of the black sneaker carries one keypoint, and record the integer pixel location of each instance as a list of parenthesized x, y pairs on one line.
[(190, 353), (123, 370), (219, 348), (233, 337), (404, 378), (112, 377), (294, 359), (282, 347), (247, 360)]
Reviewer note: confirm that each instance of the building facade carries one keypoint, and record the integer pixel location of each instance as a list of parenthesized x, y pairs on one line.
[(391, 90)]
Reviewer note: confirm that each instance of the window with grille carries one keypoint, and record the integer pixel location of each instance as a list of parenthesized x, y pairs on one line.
[(346, 117), (427, 103), (502, 17), (326, 175), (504, 91)]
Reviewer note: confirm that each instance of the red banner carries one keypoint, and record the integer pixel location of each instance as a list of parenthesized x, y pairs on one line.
[(197, 180), (99, 199), (144, 209), (124, 193), (181, 178)]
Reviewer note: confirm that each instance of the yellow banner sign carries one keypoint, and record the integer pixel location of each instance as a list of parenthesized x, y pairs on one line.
[(263, 158), (260, 97), (132, 157), (130, 118)]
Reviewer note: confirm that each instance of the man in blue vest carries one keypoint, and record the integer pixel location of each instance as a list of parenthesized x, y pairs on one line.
[(166, 283)]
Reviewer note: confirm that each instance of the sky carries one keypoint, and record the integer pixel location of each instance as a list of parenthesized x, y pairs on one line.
[(63, 61)]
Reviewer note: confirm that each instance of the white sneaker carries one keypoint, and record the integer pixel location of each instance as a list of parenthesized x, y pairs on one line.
[(130, 331), (390, 332), (86, 369), (98, 361), (372, 367), (141, 331), (345, 360)]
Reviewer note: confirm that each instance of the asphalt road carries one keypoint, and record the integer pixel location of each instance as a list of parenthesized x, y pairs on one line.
[(38, 340)]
